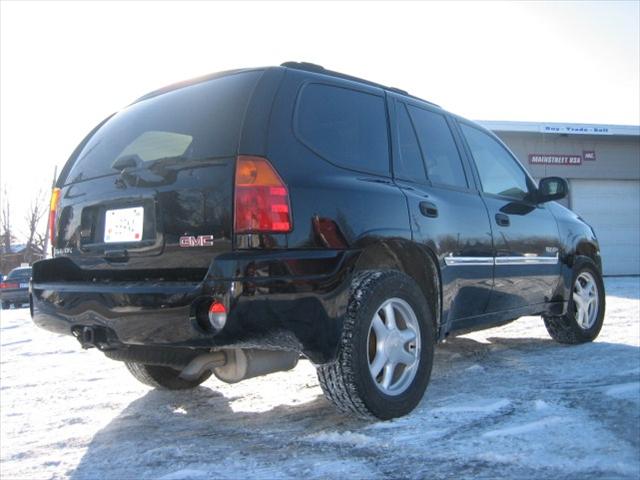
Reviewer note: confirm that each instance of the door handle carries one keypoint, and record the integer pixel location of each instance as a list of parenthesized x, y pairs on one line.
[(428, 209), (502, 220)]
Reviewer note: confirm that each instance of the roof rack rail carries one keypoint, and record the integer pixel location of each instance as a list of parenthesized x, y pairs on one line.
[(399, 90), (312, 67)]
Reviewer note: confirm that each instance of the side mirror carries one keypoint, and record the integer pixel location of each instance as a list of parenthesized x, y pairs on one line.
[(552, 188)]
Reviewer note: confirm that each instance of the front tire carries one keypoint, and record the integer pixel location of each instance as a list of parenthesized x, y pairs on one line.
[(386, 351), (6, 305), (585, 310), (164, 378)]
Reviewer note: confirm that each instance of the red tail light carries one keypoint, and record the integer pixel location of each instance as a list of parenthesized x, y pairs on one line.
[(262, 199), (4, 285), (53, 211)]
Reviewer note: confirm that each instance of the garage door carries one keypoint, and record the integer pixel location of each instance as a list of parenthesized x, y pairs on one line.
[(612, 208)]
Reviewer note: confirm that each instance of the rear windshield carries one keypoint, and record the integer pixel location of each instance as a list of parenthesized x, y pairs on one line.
[(191, 123), (22, 274)]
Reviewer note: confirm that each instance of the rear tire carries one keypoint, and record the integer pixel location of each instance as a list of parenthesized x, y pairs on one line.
[(164, 378), (387, 316), (585, 309), (6, 305)]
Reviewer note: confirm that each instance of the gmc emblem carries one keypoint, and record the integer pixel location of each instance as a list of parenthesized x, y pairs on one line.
[(199, 241)]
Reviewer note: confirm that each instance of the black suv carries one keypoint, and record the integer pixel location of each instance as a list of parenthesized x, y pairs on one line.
[(232, 223)]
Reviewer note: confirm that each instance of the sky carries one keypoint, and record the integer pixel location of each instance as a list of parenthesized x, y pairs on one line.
[(64, 66)]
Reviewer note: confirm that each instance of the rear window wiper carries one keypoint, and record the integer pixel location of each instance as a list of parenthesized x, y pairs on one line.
[(127, 161), (134, 161)]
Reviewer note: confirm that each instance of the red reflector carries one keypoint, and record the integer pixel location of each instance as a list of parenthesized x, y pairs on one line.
[(8, 285), (279, 191), (280, 208), (217, 307), (261, 198), (217, 316)]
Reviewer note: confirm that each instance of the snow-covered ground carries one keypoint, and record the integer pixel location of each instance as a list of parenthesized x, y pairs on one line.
[(506, 402)]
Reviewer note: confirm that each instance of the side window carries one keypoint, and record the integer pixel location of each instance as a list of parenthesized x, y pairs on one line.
[(409, 165), (441, 156), (499, 173), (346, 127)]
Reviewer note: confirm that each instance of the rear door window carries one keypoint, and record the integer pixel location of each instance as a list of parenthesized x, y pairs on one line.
[(441, 156), (344, 126), (195, 122)]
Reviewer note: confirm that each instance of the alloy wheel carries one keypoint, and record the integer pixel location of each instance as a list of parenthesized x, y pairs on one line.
[(585, 300), (394, 346)]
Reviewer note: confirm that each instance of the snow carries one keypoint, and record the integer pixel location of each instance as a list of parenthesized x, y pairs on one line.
[(184, 474), (505, 402), (483, 406), (524, 428), (350, 438), (630, 391)]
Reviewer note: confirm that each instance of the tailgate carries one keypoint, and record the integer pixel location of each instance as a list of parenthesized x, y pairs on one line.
[(150, 194)]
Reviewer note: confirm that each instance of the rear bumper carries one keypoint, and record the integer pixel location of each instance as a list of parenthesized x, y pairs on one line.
[(15, 296), (288, 300)]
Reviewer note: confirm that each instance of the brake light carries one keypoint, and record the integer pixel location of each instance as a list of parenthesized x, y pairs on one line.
[(261, 198), (4, 285), (53, 211)]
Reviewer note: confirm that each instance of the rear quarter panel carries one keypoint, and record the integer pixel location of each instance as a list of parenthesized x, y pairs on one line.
[(359, 207)]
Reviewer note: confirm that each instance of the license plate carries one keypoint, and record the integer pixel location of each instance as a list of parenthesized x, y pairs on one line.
[(123, 225), (24, 285)]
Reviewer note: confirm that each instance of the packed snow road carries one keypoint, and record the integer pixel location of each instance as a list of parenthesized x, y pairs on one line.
[(506, 402)]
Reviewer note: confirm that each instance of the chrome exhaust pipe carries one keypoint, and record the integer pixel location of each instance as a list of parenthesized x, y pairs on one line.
[(202, 363), (237, 364), (248, 363)]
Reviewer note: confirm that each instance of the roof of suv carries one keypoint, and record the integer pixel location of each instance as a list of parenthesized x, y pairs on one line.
[(312, 67), (193, 81), (304, 66)]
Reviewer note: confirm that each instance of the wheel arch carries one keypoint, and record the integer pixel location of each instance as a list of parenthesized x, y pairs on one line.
[(416, 261), (585, 248)]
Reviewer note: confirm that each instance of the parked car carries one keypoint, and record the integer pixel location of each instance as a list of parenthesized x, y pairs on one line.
[(14, 289), (232, 223)]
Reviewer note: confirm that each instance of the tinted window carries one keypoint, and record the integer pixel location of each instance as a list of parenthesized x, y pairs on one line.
[(195, 122), (344, 126), (444, 166), (409, 165), (499, 173), (21, 274)]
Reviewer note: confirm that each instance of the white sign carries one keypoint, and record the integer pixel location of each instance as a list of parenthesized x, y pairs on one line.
[(577, 129), (554, 159)]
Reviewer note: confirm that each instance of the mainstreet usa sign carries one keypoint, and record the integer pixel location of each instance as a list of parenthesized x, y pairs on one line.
[(554, 159)]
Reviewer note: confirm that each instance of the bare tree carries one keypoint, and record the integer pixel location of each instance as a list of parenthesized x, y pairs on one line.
[(33, 219), (5, 223), (40, 244)]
